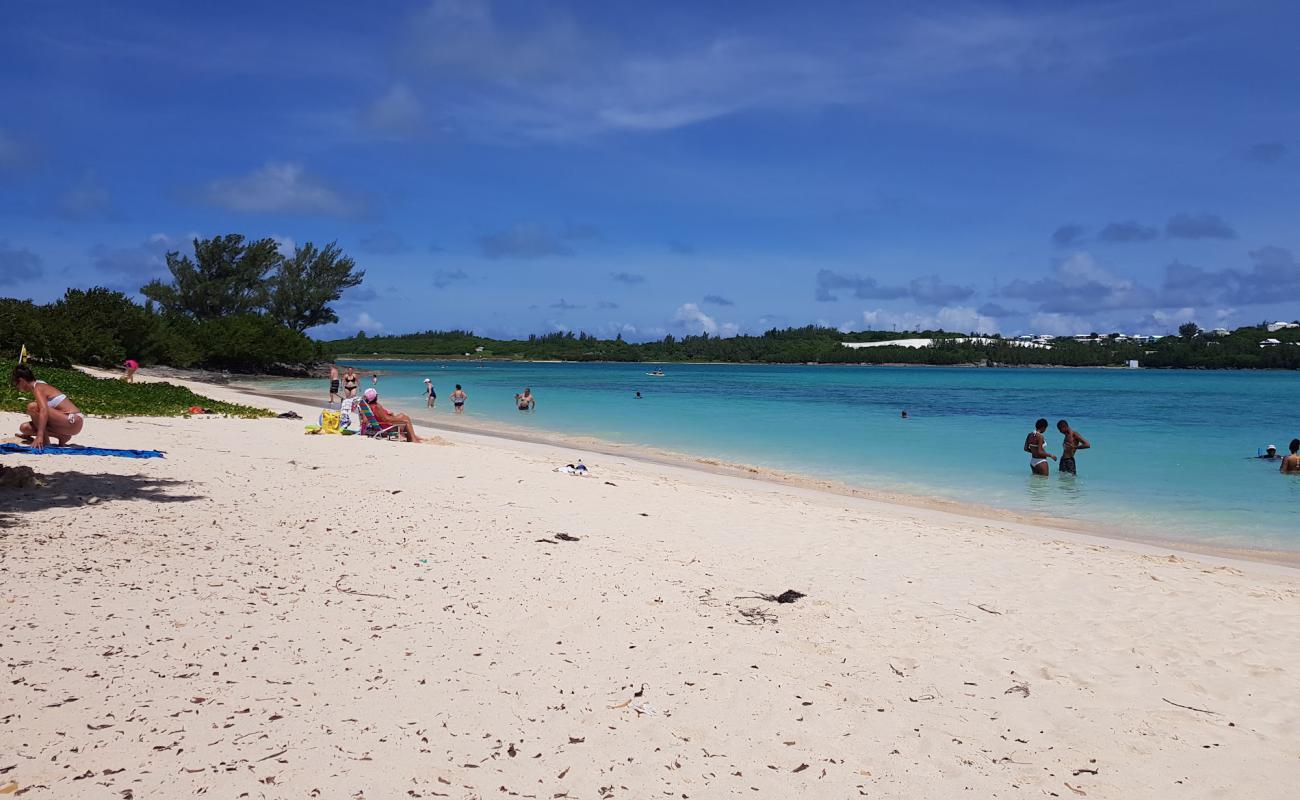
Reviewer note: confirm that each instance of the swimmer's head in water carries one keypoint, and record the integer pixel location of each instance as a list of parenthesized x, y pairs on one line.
[(1040, 425), (1295, 446), (1272, 448)]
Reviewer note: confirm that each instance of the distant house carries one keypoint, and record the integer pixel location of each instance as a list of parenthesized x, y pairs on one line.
[(1274, 327), (1220, 332), (1269, 343)]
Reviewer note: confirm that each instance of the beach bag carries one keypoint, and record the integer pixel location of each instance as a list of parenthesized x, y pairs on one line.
[(330, 421)]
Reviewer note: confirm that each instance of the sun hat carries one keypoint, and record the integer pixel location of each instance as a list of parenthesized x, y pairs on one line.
[(370, 395), (1271, 447), (426, 380)]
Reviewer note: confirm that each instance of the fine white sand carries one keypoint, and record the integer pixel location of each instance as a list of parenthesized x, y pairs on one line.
[(268, 614)]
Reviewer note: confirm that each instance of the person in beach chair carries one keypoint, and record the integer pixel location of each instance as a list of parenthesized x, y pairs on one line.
[(384, 420), (51, 412)]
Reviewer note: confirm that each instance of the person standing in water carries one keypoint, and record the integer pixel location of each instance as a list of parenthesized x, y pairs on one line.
[(458, 399), (334, 383), (1073, 441), (1291, 464), (374, 379), (526, 401), (430, 394), (1036, 447)]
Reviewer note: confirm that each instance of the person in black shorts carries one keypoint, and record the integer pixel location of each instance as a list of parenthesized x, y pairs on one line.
[(334, 383), (1073, 441)]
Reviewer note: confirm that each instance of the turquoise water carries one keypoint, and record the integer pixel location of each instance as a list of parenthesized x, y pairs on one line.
[(1170, 458)]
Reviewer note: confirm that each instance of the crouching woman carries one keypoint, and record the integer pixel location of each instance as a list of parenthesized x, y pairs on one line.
[(52, 413)]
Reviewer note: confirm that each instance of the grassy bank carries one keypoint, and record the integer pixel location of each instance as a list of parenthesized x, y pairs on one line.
[(111, 397)]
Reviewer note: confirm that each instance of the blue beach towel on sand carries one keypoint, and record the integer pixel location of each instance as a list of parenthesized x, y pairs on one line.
[(76, 450)]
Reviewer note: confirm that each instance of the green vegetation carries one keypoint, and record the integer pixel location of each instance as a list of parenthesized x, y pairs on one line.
[(112, 397), (1239, 350), (234, 305)]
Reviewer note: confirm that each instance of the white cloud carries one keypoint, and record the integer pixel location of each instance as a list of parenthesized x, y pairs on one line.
[(690, 318), (1056, 324), (284, 244), (279, 187), (364, 322), (960, 319), (397, 113)]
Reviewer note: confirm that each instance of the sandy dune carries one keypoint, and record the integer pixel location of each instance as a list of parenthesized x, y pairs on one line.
[(267, 614)]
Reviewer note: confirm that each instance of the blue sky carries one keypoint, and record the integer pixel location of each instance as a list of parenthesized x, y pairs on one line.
[(519, 167)]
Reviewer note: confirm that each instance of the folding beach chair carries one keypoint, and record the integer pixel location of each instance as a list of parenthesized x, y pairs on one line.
[(372, 427)]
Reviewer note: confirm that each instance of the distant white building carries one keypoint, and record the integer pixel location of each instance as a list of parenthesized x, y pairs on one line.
[(1269, 343), (1274, 327), (1220, 332)]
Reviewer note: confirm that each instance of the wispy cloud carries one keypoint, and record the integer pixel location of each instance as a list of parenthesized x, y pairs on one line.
[(606, 305), (525, 240), (863, 288), (446, 277), (930, 290), (1198, 226), (1127, 232), (681, 248), (1079, 285), (134, 265), (280, 187), (564, 305), (13, 153), (1273, 275), (556, 78), (1265, 152), (397, 113), (630, 278), (18, 265), (86, 200), (1068, 234), (717, 300), (383, 242)]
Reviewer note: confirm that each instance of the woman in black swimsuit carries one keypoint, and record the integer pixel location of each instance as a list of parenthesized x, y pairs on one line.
[(350, 383)]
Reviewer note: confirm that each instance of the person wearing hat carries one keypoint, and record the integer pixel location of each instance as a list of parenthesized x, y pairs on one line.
[(430, 394), (406, 428), (1270, 453)]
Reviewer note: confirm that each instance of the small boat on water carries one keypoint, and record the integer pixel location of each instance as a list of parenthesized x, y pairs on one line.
[(656, 374)]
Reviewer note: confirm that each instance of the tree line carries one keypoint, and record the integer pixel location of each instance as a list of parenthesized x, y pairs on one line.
[(813, 344), (232, 303)]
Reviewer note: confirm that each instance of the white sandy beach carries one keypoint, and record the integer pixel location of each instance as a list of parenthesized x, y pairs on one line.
[(268, 614)]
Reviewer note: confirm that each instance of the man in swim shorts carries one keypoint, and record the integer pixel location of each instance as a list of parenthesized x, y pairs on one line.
[(1073, 441), (1035, 446), (334, 383)]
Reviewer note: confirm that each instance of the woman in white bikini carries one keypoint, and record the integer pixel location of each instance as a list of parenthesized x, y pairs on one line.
[(1035, 446), (51, 412)]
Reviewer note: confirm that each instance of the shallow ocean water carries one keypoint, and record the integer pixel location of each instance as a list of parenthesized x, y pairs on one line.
[(1171, 458)]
